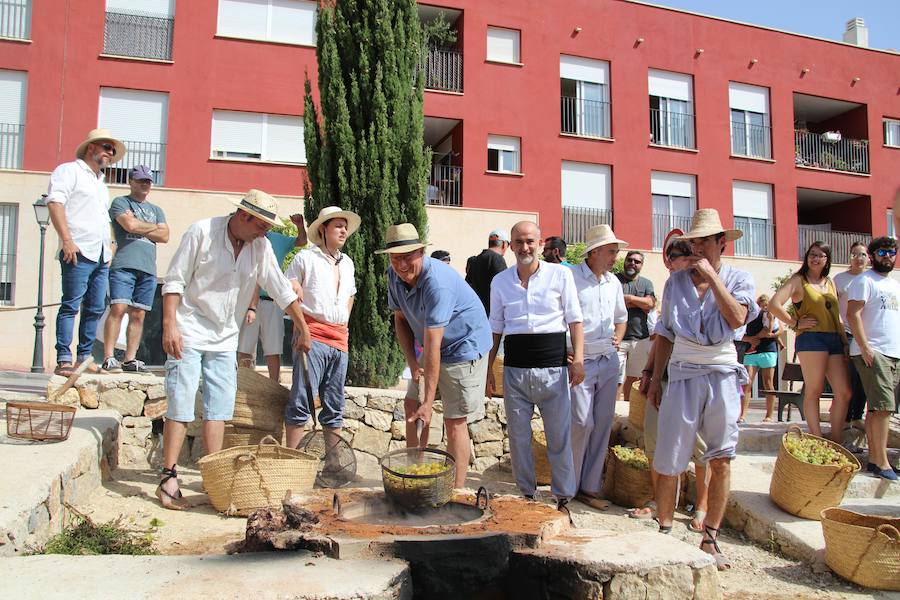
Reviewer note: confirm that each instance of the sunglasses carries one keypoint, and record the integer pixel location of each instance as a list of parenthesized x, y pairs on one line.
[(882, 252), (108, 148)]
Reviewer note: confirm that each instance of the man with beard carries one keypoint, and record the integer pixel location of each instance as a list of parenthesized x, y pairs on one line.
[(533, 304), (555, 251), (873, 310), (78, 200), (640, 299)]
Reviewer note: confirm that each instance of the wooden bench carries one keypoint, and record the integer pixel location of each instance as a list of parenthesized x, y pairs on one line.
[(791, 373)]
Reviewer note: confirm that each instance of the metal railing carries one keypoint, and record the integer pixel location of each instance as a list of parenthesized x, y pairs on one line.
[(140, 35), (671, 128), (12, 141), (15, 19), (444, 186), (751, 140), (576, 220), (838, 240), (443, 70), (824, 152), (663, 224), (758, 238), (584, 117), (150, 154)]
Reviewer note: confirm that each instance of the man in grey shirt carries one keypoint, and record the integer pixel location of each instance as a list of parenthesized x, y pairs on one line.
[(138, 226)]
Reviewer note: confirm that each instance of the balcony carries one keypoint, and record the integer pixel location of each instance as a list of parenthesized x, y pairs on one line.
[(673, 129), (576, 220), (838, 240), (139, 153), (443, 70), (754, 141), (758, 239), (663, 224), (15, 19), (445, 186), (139, 35), (12, 141), (588, 118), (831, 151)]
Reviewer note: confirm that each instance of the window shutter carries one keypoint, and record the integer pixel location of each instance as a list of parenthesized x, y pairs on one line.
[(502, 142), (748, 97), (752, 199), (157, 8), (244, 18), (583, 69), (293, 21), (586, 185), (237, 132), (673, 184), (134, 115), (669, 85), (503, 44), (13, 85), (284, 139)]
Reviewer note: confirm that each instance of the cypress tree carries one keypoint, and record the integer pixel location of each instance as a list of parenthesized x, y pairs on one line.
[(365, 153)]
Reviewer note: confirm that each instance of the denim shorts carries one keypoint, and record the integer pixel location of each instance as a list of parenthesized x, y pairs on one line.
[(132, 287), (819, 341), (219, 370)]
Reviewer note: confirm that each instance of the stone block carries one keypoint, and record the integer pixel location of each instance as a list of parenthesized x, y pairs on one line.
[(156, 392), (491, 449), (537, 425), (483, 463), (486, 430), (127, 403), (140, 422), (69, 398), (378, 419), (107, 384), (352, 410), (371, 441), (505, 445), (398, 430), (88, 397), (395, 445), (501, 413), (492, 406), (626, 586), (506, 463), (352, 424), (156, 409), (706, 584), (671, 581), (382, 403)]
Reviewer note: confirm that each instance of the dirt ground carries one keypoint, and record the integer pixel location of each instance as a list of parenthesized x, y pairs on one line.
[(758, 574)]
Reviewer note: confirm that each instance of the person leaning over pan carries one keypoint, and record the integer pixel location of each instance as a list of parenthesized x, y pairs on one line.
[(209, 285), (326, 277), (435, 307)]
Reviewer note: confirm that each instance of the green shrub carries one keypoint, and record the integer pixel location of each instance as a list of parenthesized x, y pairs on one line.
[(84, 537)]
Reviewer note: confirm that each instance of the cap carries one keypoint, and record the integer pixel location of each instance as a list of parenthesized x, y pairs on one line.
[(141, 172), (500, 234)]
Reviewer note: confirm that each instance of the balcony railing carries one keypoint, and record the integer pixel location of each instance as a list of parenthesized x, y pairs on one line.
[(838, 240), (139, 35), (663, 224), (832, 152), (15, 19), (758, 238), (576, 220), (445, 186), (589, 118), (12, 140), (671, 128), (751, 140), (443, 70), (139, 153)]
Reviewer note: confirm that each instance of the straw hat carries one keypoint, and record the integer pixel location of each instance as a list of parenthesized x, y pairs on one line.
[(328, 213), (706, 222), (600, 235), (260, 205), (401, 239), (102, 135)]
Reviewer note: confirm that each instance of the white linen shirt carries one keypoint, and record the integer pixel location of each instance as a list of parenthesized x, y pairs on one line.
[(215, 288), (880, 313), (85, 197), (548, 305), (322, 300), (603, 304)]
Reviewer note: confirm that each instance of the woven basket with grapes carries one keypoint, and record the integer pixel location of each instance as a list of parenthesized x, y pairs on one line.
[(631, 477), (418, 478)]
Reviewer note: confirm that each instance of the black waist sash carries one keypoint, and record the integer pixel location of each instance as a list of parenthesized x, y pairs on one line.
[(535, 350)]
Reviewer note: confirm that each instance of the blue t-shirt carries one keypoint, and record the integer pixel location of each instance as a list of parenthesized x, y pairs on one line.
[(441, 298), (281, 245), (133, 250)]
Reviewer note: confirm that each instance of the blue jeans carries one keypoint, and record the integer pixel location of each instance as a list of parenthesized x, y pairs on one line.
[(327, 374), (219, 371), (84, 286)]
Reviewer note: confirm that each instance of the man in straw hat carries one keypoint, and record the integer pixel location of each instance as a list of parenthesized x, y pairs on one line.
[(533, 304), (326, 277), (78, 201), (704, 309), (210, 283), (594, 399), (433, 306)]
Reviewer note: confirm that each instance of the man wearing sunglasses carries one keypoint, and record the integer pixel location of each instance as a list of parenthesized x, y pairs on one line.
[(78, 200), (873, 311)]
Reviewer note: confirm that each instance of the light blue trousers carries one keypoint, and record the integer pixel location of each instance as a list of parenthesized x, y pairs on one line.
[(593, 410)]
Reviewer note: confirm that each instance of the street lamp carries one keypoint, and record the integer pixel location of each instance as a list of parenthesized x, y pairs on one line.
[(42, 215)]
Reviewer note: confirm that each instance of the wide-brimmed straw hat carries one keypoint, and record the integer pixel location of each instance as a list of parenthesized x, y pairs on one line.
[(600, 235), (260, 205), (706, 222), (102, 135), (401, 239), (328, 213)]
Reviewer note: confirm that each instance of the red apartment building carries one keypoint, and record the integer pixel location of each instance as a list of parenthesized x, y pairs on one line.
[(584, 111)]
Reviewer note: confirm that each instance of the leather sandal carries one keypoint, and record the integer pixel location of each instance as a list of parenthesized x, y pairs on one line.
[(593, 501), (64, 369), (174, 501), (722, 562), (663, 529)]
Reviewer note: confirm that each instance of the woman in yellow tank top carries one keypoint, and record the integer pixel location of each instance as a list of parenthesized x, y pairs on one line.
[(821, 342)]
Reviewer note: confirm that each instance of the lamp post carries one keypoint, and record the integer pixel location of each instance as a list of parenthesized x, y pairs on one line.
[(42, 215)]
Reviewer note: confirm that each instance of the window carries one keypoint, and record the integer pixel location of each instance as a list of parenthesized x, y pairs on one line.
[(138, 118), (890, 224), (750, 132), (892, 133), (674, 201), (503, 45), (258, 137), (15, 19), (752, 205), (286, 21), (139, 28), (503, 154), (9, 219), (671, 109), (586, 198), (584, 92), (13, 86)]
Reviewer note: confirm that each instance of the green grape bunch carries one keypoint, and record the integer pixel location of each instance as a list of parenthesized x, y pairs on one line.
[(815, 452), (633, 457)]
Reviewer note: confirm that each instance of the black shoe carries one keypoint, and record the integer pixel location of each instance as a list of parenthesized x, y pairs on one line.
[(134, 366)]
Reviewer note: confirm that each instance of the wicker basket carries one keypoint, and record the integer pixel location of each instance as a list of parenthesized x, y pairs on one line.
[(259, 403), (40, 421), (244, 436), (497, 370), (864, 549), (630, 486), (418, 492), (241, 479), (637, 403), (542, 473), (804, 490)]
